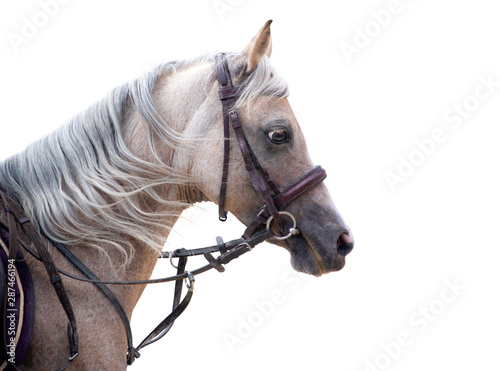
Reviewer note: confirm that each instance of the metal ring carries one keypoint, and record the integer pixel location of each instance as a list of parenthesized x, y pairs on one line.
[(247, 245), (291, 231), (190, 278), (171, 255)]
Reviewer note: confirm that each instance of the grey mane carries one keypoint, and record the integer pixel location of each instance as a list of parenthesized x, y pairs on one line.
[(81, 182)]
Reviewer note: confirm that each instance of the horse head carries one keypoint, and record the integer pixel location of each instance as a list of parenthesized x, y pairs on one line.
[(274, 135)]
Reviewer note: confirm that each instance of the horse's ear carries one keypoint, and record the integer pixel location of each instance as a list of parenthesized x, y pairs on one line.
[(260, 45)]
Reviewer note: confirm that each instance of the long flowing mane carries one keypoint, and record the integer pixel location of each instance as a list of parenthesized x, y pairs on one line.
[(81, 182)]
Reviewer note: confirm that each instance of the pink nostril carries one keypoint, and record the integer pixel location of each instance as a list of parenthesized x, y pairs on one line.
[(345, 244)]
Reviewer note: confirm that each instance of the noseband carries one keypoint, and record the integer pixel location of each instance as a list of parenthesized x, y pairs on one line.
[(275, 201)]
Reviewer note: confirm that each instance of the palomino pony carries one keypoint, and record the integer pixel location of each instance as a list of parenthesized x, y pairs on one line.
[(112, 182)]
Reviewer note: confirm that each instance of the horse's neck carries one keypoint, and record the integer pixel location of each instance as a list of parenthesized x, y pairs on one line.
[(177, 98), (176, 114)]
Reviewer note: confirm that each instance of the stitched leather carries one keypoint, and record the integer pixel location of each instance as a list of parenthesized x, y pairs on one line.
[(260, 178), (317, 175)]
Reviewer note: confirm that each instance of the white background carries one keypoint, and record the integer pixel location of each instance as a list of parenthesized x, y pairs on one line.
[(361, 118)]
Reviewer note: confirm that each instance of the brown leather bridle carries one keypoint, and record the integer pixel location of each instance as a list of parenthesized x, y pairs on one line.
[(275, 201)]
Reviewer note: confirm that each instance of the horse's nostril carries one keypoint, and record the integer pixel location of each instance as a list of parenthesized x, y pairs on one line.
[(345, 244)]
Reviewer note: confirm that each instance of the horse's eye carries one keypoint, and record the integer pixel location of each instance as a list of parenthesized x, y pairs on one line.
[(278, 136)]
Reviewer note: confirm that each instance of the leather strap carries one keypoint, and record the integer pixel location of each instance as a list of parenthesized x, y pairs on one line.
[(177, 308), (259, 178), (68, 254), (227, 95), (55, 279), (310, 180)]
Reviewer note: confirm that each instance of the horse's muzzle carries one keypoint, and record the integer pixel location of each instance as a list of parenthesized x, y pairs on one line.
[(345, 244)]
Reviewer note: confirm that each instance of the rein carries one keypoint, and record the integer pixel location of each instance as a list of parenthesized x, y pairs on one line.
[(257, 232)]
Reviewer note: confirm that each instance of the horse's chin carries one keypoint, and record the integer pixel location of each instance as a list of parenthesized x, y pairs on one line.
[(311, 258)]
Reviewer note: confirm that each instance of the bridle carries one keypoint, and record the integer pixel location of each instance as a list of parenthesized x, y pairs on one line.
[(274, 199), (257, 231)]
